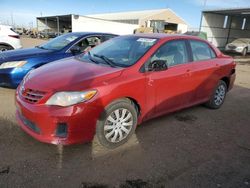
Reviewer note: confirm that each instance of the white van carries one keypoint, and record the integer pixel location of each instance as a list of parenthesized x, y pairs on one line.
[(9, 40)]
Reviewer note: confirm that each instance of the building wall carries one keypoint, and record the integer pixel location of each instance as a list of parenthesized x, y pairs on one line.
[(129, 21), (97, 25), (41, 24), (167, 17), (182, 28)]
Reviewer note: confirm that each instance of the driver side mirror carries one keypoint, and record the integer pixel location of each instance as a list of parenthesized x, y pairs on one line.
[(158, 65), (75, 50)]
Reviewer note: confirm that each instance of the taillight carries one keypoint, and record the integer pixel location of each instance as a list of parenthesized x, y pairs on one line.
[(15, 36)]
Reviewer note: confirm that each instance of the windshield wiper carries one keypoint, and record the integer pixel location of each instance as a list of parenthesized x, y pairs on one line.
[(41, 47), (91, 59), (106, 59)]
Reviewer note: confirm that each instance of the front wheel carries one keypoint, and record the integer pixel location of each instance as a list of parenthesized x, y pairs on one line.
[(117, 123), (244, 52), (218, 97)]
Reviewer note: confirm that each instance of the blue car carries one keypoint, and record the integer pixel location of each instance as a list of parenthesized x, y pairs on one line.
[(15, 64)]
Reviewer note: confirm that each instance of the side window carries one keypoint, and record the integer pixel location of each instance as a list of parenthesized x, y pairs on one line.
[(173, 52), (201, 51), (87, 43), (93, 41)]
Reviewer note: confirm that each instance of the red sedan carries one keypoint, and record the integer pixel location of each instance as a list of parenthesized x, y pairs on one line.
[(120, 84)]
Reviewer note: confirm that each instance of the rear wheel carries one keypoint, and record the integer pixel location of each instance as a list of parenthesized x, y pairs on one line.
[(117, 123), (5, 48), (218, 97)]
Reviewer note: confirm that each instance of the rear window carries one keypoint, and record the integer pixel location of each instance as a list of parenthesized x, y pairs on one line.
[(201, 51)]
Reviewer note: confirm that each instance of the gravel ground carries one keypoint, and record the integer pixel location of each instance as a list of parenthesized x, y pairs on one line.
[(195, 147)]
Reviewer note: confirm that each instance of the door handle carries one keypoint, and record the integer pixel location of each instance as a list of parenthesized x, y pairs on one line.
[(188, 72), (150, 82)]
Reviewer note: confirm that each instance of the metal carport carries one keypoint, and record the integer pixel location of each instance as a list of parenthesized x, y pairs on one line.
[(55, 23), (224, 25)]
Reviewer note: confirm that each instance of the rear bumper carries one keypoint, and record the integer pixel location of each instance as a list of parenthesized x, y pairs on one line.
[(15, 43)]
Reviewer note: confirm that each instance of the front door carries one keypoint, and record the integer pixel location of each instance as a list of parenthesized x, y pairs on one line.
[(170, 89)]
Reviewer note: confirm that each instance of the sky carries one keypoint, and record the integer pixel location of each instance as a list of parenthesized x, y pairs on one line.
[(24, 13)]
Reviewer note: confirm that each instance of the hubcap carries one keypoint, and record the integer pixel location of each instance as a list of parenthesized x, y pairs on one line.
[(219, 95), (118, 125)]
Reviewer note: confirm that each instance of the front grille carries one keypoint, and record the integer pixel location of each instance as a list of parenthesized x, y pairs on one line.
[(32, 96), (231, 47), (29, 124)]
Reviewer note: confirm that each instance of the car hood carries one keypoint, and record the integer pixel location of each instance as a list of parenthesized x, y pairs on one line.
[(237, 44), (21, 54), (69, 74)]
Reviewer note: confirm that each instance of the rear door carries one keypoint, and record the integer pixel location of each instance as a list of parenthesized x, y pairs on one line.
[(205, 66)]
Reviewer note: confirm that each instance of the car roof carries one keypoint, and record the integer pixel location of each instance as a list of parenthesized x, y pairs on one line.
[(166, 36), (89, 33)]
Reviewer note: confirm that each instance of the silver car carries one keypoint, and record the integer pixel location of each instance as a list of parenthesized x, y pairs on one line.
[(240, 45)]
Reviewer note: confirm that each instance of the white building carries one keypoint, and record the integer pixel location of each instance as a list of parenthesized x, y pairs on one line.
[(117, 23), (171, 19)]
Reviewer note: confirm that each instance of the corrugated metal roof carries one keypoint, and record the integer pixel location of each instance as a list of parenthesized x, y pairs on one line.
[(245, 10), (137, 15)]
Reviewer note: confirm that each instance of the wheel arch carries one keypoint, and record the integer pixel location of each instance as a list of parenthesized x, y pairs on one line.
[(136, 104), (226, 80), (6, 44), (130, 99)]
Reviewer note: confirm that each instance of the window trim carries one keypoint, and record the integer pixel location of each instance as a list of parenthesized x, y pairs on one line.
[(191, 51), (189, 56)]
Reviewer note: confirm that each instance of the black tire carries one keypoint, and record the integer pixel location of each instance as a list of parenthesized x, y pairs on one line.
[(109, 110), (244, 52), (213, 103), (5, 48)]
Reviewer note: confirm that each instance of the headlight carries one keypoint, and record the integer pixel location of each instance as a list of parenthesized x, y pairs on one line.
[(240, 48), (70, 98), (12, 64)]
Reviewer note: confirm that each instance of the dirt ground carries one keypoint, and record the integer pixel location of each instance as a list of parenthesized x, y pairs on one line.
[(195, 147), (28, 42)]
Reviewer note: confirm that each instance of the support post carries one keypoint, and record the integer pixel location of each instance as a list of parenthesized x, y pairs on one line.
[(229, 29), (46, 28), (58, 26)]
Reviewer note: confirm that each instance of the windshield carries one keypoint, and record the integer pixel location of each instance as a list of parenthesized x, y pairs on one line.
[(120, 51), (241, 40), (60, 42)]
